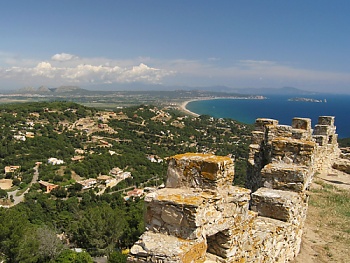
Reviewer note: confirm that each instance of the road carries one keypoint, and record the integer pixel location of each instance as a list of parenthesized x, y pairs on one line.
[(20, 198)]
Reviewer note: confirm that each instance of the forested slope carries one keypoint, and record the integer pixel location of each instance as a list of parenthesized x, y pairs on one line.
[(91, 143)]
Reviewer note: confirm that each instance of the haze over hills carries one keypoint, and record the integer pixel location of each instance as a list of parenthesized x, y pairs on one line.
[(142, 87)]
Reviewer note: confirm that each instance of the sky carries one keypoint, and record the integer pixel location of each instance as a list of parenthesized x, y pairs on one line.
[(235, 43)]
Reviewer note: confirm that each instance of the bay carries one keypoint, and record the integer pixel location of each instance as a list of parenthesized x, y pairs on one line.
[(279, 108)]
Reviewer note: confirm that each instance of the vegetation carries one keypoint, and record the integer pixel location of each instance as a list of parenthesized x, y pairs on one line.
[(345, 142), (91, 143), (329, 206)]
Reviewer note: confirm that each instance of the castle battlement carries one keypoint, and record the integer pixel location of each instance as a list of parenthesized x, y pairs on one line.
[(201, 217)]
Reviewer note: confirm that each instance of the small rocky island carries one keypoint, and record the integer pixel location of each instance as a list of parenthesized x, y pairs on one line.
[(307, 100)]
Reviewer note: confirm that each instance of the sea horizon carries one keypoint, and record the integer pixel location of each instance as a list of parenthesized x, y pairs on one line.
[(278, 107)]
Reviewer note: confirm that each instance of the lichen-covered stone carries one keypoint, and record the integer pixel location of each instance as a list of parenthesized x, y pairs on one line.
[(257, 137), (295, 151), (284, 131), (282, 205), (188, 213), (201, 217), (159, 248), (261, 123), (271, 241), (232, 242), (195, 170), (288, 177)]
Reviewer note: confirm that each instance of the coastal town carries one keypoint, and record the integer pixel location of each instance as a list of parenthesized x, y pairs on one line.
[(68, 163), (101, 133)]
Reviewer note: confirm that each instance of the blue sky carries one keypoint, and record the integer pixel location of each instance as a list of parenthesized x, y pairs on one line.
[(300, 43)]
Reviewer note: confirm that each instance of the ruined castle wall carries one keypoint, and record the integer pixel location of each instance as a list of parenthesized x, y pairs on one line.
[(200, 217), (326, 138)]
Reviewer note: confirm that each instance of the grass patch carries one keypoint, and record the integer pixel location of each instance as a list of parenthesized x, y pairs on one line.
[(20, 192), (333, 206)]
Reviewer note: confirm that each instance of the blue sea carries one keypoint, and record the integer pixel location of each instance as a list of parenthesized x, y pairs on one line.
[(278, 107)]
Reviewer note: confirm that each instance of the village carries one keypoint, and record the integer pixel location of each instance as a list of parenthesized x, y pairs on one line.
[(99, 135)]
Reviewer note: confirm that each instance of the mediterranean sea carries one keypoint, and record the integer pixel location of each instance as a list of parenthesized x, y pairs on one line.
[(280, 108)]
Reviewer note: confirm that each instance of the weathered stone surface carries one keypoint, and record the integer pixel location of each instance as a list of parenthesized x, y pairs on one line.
[(300, 134), (189, 213), (261, 123), (342, 165), (288, 177), (321, 140), (284, 131), (231, 242), (301, 123), (282, 205), (270, 241), (195, 170), (345, 153), (159, 248), (326, 120), (295, 151), (257, 137), (324, 129), (201, 217)]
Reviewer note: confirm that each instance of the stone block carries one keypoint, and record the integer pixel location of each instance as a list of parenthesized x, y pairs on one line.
[(260, 123), (231, 243), (257, 137), (290, 177), (301, 123), (159, 248), (342, 165), (189, 213), (201, 214), (284, 131), (321, 140), (324, 130), (301, 134), (271, 241), (295, 151), (281, 205), (326, 120), (195, 170)]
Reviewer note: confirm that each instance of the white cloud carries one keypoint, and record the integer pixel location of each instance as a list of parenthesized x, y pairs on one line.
[(254, 69), (43, 69), (63, 57), (65, 68), (62, 69), (251, 73)]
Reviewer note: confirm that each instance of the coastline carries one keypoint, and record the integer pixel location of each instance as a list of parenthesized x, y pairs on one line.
[(184, 109)]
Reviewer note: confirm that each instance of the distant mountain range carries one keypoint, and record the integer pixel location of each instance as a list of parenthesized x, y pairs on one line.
[(142, 87), (43, 89)]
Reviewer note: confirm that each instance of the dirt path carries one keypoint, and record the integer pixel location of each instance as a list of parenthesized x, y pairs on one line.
[(323, 241)]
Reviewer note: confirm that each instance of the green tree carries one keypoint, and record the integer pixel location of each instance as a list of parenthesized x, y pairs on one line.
[(70, 256), (100, 227), (117, 257), (3, 194)]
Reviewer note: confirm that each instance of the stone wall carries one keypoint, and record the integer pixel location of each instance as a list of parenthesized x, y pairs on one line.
[(200, 217)]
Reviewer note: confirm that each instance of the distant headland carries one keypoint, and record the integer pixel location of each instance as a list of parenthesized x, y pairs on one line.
[(307, 100)]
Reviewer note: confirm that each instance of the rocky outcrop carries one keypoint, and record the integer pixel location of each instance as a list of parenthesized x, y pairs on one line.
[(342, 164), (200, 217)]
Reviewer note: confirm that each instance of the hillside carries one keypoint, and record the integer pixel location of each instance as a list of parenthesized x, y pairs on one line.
[(80, 172)]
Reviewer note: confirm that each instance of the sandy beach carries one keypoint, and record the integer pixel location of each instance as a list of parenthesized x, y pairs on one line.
[(185, 110)]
